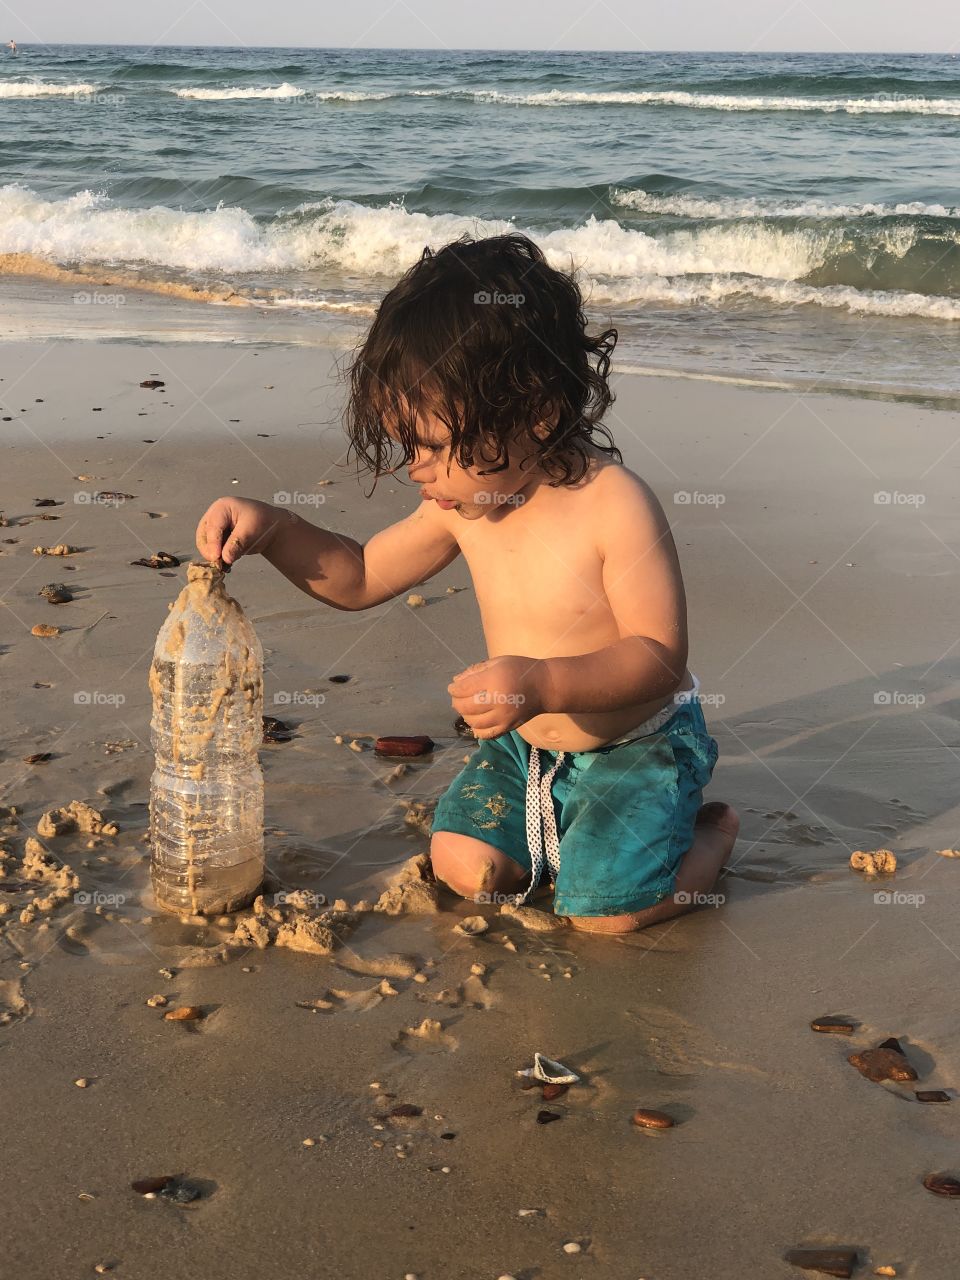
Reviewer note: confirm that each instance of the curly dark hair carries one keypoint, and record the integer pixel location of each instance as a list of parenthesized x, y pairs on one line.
[(492, 339)]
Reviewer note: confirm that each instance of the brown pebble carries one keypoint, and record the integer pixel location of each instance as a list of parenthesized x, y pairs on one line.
[(550, 1092), (82, 1083), (38, 757), (644, 1118), (942, 1184), (44, 630), (932, 1095), (156, 1002), (547, 1117), (406, 1109), (831, 1025), (415, 745), (883, 1063), (836, 1261), (186, 1013)]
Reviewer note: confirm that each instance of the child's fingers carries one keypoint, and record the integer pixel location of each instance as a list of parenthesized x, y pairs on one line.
[(212, 531)]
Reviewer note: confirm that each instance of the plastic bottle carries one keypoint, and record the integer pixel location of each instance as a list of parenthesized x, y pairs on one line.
[(206, 795)]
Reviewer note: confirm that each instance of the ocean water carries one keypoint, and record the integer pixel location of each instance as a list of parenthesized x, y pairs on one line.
[(789, 217)]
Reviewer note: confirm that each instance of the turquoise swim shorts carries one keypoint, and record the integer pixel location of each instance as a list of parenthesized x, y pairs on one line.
[(608, 826)]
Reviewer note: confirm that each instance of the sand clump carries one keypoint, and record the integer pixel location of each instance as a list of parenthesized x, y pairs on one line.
[(412, 890), (531, 918), (874, 862), (53, 883), (295, 923), (76, 816)]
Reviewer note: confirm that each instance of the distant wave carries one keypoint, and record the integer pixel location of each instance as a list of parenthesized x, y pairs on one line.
[(877, 271), (44, 89), (225, 95), (729, 207), (894, 104)]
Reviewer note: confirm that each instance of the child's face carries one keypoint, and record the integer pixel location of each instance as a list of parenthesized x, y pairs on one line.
[(464, 489)]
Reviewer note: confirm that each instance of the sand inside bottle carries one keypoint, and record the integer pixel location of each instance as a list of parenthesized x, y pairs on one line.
[(211, 864)]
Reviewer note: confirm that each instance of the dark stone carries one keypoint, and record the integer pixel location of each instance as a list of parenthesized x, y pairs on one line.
[(942, 1184), (834, 1261), (883, 1063), (402, 745), (932, 1095), (833, 1025), (547, 1117)]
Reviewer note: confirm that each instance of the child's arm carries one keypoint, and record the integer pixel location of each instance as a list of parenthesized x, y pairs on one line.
[(330, 566), (644, 589)]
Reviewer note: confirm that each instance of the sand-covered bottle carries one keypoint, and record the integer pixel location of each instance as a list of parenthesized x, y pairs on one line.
[(206, 795)]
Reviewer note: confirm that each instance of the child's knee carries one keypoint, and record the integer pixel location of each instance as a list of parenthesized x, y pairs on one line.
[(468, 866)]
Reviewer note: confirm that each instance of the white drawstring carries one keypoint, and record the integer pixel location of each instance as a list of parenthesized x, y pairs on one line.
[(541, 823)]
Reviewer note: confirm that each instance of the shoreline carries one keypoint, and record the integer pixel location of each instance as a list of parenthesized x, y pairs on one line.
[(36, 308)]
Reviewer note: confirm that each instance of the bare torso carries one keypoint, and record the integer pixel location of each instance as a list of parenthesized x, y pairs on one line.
[(538, 577)]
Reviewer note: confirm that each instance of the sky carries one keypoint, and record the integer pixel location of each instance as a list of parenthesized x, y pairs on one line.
[(742, 25)]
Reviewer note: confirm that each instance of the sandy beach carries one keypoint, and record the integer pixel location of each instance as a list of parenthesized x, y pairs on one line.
[(818, 539)]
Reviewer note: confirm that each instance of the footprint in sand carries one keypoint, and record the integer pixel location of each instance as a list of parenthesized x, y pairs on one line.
[(429, 1037), (680, 1048), (335, 1001), (472, 992)]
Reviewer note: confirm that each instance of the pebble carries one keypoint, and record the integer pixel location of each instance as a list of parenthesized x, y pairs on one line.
[(529, 1213), (646, 1119), (932, 1095), (309, 1142), (156, 1002), (186, 1013), (942, 1184), (572, 1247), (421, 978), (103, 1267), (831, 1025), (886, 1062), (830, 1261), (547, 1117), (166, 973), (82, 1083)]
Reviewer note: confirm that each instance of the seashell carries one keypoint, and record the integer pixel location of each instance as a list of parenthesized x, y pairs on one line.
[(548, 1071), (186, 1013)]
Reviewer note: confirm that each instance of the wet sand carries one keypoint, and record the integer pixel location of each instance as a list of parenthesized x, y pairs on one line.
[(823, 629)]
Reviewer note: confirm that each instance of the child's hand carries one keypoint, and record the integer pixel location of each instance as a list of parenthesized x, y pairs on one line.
[(235, 527), (497, 695)]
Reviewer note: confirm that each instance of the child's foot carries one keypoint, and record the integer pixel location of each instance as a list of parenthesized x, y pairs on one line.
[(715, 833)]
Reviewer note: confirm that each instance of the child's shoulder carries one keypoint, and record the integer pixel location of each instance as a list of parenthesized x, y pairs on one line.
[(607, 480)]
